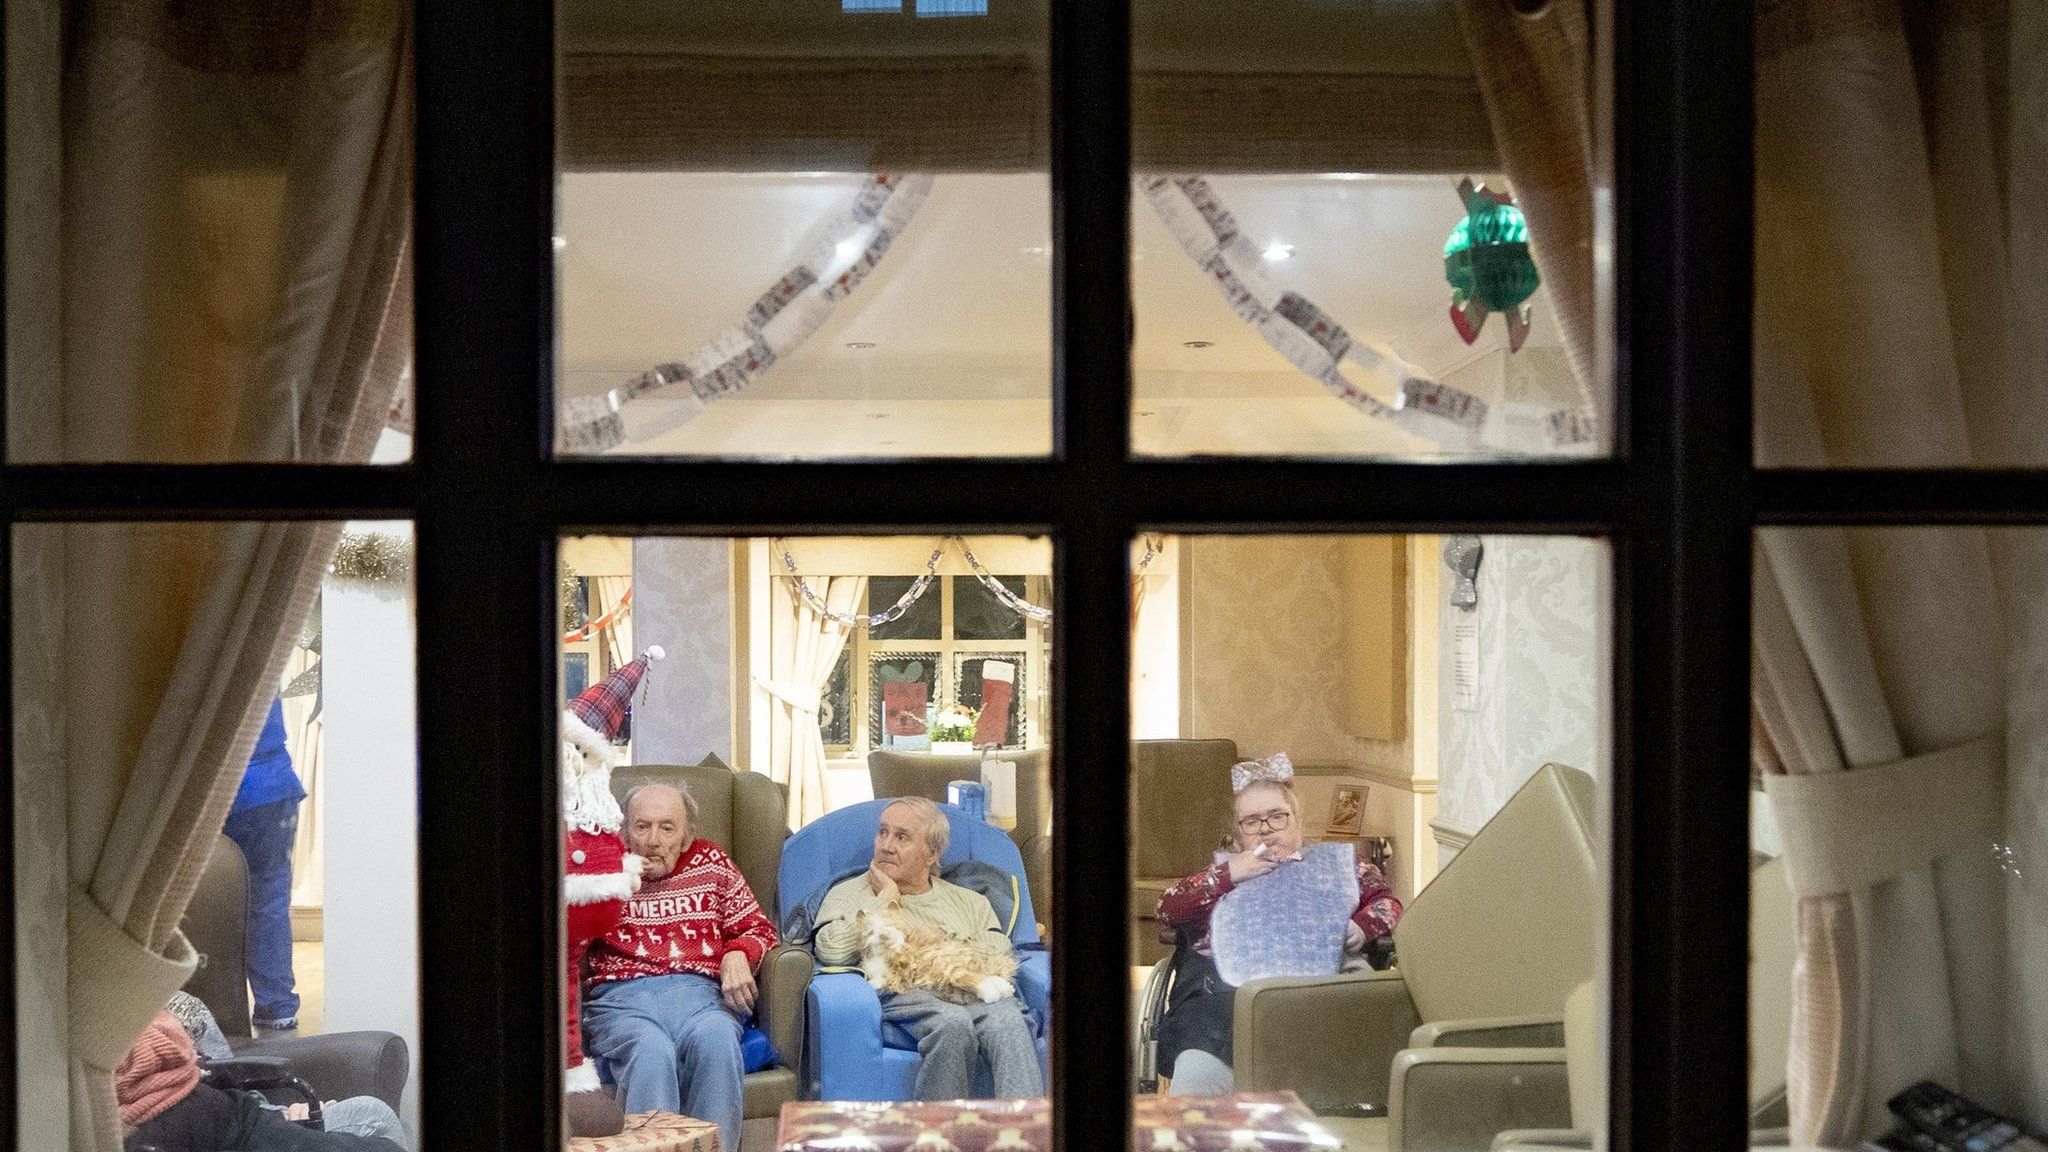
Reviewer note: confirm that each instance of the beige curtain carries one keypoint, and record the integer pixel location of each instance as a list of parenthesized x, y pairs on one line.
[(1897, 670), (803, 647), (235, 220), (1534, 72)]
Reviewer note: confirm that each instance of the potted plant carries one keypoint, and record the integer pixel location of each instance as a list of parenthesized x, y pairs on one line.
[(953, 731)]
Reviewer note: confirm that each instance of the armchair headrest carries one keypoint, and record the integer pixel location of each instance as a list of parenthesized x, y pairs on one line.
[(1506, 929), (744, 813), (844, 841)]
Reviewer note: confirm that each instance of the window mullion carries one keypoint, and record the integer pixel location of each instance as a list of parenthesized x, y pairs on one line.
[(490, 929), (1679, 873)]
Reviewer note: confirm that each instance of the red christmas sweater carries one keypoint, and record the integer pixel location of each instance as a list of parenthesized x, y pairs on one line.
[(685, 922)]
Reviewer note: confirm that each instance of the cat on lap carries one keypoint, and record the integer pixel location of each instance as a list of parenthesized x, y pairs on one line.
[(937, 955)]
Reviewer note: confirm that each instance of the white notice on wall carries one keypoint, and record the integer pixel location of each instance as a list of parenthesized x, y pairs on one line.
[(1465, 662)]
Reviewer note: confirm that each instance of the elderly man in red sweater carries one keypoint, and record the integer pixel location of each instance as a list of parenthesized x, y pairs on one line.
[(670, 986)]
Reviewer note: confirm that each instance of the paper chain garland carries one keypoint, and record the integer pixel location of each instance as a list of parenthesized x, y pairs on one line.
[(917, 589), (804, 298), (1001, 591), (890, 615), (794, 307)]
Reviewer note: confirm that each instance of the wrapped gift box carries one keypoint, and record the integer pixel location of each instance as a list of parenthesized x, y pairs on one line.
[(1265, 1122), (654, 1132)]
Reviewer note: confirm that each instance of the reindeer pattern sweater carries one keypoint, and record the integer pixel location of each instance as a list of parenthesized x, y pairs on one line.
[(685, 922)]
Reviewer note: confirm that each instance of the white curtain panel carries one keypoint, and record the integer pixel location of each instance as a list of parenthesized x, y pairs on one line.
[(236, 218), (1898, 671), (303, 739), (803, 647)]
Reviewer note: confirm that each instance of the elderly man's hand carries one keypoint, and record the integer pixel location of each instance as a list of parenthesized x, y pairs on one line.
[(736, 981), (881, 883), (1354, 938)]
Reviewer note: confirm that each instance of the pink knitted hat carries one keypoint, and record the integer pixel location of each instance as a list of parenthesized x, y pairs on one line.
[(160, 1069)]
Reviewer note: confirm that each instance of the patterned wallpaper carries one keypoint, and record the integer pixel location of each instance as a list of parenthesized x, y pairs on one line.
[(1544, 612), (1269, 654), (683, 602)]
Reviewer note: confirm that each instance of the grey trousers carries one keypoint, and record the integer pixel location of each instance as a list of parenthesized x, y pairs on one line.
[(951, 1036)]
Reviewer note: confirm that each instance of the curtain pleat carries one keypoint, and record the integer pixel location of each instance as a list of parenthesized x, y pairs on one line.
[(237, 214), (1883, 164), (1535, 72), (804, 647)]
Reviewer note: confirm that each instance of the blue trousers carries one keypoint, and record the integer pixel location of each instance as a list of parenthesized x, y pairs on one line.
[(671, 1046), (265, 834)]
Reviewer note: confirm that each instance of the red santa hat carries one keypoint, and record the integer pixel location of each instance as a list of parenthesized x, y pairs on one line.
[(590, 723)]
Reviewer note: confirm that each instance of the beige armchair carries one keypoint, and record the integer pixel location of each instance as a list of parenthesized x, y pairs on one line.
[(745, 814), (1180, 812), (1464, 1039), (1773, 927)]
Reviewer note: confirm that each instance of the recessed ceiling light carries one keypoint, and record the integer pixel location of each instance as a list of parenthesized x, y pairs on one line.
[(1198, 344), (561, 242), (859, 344), (1036, 250), (1278, 251)]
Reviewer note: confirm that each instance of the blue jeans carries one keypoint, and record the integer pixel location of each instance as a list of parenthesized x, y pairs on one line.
[(365, 1116), (265, 834), (671, 1046)]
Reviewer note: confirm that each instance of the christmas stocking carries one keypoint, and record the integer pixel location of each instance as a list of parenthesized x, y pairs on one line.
[(998, 689)]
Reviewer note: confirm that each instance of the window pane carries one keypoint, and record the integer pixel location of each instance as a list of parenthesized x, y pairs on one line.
[(804, 231), (1898, 784), (979, 614), (224, 278), (702, 691), (295, 729), (922, 619), (903, 701), (1424, 721), (999, 681), (1302, 221), (1896, 159)]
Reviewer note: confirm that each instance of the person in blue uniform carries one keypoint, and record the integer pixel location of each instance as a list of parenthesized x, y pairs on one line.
[(264, 822)]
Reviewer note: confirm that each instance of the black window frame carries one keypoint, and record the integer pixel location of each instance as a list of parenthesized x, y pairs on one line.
[(1679, 501)]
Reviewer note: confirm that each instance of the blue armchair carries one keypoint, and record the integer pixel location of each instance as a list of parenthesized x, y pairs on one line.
[(849, 1054)]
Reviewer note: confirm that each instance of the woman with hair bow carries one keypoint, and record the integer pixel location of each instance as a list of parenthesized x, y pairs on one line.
[(1195, 1032)]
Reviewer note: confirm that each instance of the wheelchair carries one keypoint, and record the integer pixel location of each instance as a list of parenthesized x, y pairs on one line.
[(1158, 992)]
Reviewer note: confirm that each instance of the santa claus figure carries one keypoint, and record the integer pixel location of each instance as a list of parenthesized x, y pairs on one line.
[(598, 874)]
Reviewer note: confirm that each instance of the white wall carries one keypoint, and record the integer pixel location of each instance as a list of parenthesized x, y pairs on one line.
[(1545, 620), (371, 809)]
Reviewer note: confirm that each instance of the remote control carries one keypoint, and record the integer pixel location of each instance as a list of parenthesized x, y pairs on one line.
[(1957, 1124)]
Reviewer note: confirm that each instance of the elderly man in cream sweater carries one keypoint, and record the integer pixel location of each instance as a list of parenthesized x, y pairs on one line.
[(908, 844)]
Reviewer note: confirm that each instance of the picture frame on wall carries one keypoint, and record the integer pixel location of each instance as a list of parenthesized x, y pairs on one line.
[(1347, 810)]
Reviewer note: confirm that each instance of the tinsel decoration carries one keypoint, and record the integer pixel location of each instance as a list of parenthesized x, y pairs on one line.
[(573, 614), (371, 558)]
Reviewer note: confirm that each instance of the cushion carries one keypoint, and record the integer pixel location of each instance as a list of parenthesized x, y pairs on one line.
[(757, 1052)]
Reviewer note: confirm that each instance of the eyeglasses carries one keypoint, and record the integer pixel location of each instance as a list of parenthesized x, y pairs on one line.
[(1274, 821)]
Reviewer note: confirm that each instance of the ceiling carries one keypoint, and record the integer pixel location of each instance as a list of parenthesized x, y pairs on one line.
[(653, 265)]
